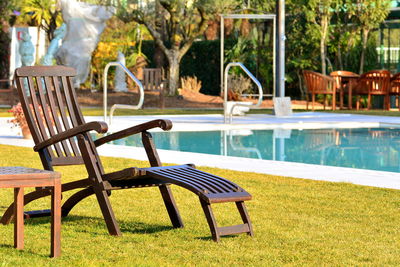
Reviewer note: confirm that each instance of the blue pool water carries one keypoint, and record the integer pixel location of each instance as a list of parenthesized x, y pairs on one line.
[(374, 149)]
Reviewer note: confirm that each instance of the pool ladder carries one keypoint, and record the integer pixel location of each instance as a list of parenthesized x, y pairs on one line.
[(120, 106), (228, 110)]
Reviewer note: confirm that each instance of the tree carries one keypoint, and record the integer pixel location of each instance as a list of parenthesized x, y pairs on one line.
[(320, 14), (185, 20), (43, 13), (369, 14)]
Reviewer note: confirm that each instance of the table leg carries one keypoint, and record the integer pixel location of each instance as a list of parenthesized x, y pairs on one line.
[(351, 83), (56, 220), (19, 218)]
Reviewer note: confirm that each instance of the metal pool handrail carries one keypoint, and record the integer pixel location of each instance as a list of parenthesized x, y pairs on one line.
[(252, 77), (115, 106)]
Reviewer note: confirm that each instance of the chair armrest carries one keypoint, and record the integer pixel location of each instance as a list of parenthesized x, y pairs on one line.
[(163, 124), (98, 126)]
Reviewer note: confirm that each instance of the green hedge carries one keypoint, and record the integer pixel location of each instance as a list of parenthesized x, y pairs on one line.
[(202, 60)]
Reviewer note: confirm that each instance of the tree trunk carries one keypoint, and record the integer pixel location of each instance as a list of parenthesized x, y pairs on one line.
[(324, 32), (158, 56), (365, 33), (173, 72)]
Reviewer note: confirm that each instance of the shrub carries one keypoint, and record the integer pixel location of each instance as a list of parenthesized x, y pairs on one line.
[(191, 84)]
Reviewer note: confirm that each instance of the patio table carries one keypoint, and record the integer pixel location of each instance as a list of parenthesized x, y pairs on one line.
[(20, 177), (346, 78)]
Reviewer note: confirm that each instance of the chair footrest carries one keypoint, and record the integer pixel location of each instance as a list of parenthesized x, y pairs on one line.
[(235, 229), (36, 214), (210, 188)]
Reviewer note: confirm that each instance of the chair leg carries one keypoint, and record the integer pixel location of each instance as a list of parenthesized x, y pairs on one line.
[(217, 232), (307, 103), (108, 213), (171, 206), (341, 99), (358, 103), (333, 101), (324, 102), (245, 216), (369, 102), (398, 102), (210, 220)]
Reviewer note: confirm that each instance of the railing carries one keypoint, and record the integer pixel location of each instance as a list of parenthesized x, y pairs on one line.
[(121, 106), (228, 113)]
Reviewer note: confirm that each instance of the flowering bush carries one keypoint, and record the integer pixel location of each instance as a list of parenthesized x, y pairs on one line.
[(19, 116)]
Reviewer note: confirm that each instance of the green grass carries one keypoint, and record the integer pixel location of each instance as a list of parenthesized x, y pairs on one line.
[(296, 222)]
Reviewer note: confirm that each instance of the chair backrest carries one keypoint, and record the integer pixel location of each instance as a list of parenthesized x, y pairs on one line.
[(318, 83), (373, 82), (152, 79), (395, 84), (50, 106)]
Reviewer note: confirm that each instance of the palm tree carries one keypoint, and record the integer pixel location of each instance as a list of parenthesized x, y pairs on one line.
[(43, 13)]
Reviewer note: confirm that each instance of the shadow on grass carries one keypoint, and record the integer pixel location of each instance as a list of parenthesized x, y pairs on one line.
[(209, 238), (96, 222), (24, 252), (6, 246)]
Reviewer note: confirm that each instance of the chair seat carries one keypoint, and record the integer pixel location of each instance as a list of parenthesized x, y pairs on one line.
[(211, 188)]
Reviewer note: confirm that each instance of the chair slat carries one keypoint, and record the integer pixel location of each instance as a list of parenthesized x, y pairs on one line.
[(211, 181), (48, 119), (189, 180), (56, 118), (67, 96), (77, 110), (27, 111), (36, 111), (222, 183), (71, 111), (63, 114)]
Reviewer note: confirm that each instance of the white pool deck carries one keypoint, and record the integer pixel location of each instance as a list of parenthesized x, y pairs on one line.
[(305, 120)]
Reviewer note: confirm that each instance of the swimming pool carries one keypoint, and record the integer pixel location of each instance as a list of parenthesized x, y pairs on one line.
[(362, 148)]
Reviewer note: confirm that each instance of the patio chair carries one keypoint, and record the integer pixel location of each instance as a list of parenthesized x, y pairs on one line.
[(395, 88), (317, 83), (153, 82), (62, 138), (374, 82)]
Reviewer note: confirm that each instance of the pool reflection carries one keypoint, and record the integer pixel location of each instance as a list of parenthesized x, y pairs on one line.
[(375, 149)]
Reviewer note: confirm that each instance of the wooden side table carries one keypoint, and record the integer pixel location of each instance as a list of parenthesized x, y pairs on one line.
[(20, 177)]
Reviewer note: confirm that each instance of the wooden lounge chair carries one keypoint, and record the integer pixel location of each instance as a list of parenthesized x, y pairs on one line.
[(374, 82), (317, 83), (62, 138)]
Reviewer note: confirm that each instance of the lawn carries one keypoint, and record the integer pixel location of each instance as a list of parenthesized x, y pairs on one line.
[(296, 222)]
